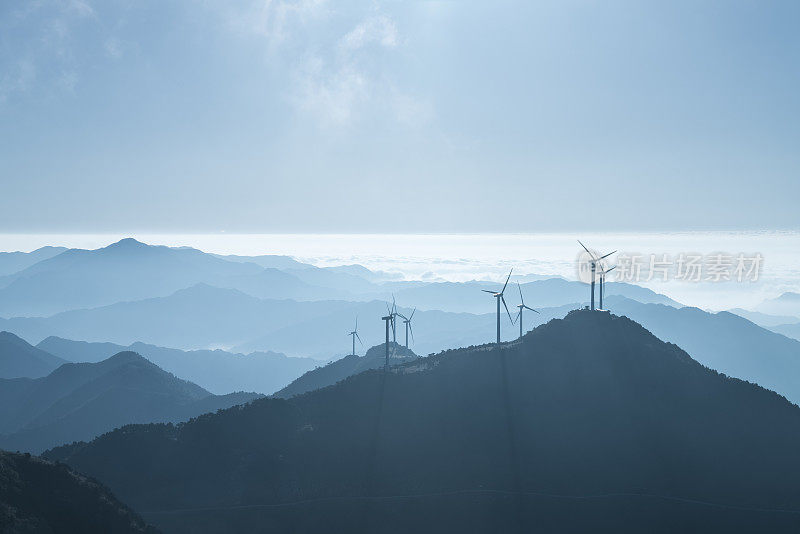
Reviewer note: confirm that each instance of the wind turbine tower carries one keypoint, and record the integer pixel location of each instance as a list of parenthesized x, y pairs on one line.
[(394, 314), (407, 322), (499, 297), (354, 335), (603, 273), (594, 260), (387, 319), (523, 306)]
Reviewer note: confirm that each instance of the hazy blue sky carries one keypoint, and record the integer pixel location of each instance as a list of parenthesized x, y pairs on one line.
[(364, 116)]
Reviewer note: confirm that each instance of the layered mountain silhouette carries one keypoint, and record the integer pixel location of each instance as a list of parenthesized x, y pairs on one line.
[(126, 270), (206, 316), (12, 262), (551, 292), (199, 316), (789, 330), (81, 401), (785, 304), (40, 496), (764, 319), (327, 375), (130, 270), (217, 371), (589, 423), (20, 359), (723, 341)]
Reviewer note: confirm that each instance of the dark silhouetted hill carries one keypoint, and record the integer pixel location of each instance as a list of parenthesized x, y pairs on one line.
[(217, 371), (20, 359), (590, 423), (350, 365), (39, 496), (81, 401)]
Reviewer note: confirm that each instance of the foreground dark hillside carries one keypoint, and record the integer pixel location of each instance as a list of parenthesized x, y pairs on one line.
[(590, 423), (39, 496)]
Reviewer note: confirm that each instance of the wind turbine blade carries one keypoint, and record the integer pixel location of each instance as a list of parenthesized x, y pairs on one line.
[(508, 312), (507, 279), (531, 309), (359, 339), (415, 311), (587, 250), (411, 331), (487, 291), (607, 255), (611, 269), (356, 328)]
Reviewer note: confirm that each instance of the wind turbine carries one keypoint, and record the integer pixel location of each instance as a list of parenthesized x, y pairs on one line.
[(499, 297), (407, 322), (354, 335), (603, 273), (394, 314), (387, 319), (523, 306), (594, 261)]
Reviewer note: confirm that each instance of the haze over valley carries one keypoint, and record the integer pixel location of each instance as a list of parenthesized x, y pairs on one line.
[(372, 267)]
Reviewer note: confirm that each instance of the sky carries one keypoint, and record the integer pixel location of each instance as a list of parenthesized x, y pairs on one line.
[(315, 116)]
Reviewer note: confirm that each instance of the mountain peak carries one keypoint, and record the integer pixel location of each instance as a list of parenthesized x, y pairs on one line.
[(128, 243), (18, 358), (128, 356), (9, 337)]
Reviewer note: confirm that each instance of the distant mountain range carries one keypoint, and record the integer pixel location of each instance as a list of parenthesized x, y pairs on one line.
[(218, 371), (336, 371), (83, 400), (551, 292), (19, 359), (723, 341), (132, 271), (39, 496), (589, 423), (786, 304), (788, 330), (197, 317), (764, 319), (205, 316), (12, 262)]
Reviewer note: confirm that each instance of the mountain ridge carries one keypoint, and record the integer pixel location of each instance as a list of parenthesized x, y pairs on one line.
[(592, 404), (78, 401), (19, 359)]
